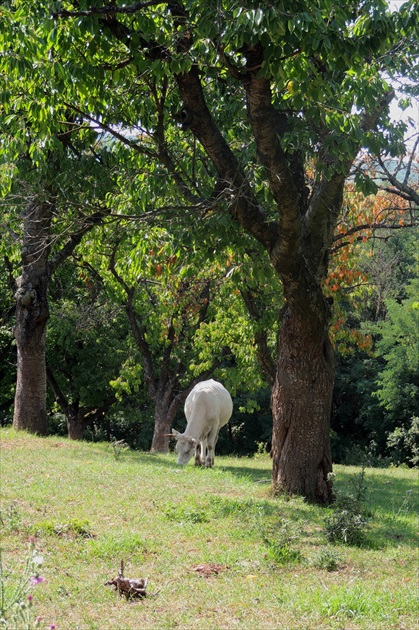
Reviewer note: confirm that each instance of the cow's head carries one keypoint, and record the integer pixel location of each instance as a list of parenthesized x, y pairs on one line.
[(185, 447)]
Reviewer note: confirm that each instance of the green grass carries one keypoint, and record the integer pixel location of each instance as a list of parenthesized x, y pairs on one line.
[(88, 510)]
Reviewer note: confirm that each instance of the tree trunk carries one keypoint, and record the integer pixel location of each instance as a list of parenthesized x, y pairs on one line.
[(163, 418), (76, 422), (31, 319), (301, 407)]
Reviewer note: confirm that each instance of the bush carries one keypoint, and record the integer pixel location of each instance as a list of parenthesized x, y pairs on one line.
[(347, 526), (349, 521), (403, 444)]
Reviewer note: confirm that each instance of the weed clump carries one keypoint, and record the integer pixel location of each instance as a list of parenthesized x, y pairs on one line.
[(75, 527), (281, 544), (349, 521), (326, 559)]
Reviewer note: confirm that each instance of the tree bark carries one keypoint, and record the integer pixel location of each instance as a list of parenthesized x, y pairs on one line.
[(301, 407), (162, 424), (76, 423), (32, 314)]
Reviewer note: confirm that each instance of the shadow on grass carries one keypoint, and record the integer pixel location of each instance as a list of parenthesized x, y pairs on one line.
[(392, 500), (388, 493), (257, 475)]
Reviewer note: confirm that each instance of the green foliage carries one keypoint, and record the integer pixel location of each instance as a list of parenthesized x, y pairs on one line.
[(16, 602), (348, 522), (10, 518), (118, 447), (403, 444), (376, 389), (7, 345), (73, 528), (398, 345), (122, 546), (130, 421), (248, 430), (185, 514), (89, 107), (346, 526), (281, 543), (326, 559)]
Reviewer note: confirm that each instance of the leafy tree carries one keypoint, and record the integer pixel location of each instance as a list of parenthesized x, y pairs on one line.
[(254, 112), (398, 345), (86, 348), (41, 206), (361, 421), (180, 307)]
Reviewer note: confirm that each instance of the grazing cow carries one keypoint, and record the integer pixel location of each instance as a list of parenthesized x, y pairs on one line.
[(207, 408)]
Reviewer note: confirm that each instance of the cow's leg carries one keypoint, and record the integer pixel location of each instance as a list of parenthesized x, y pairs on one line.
[(198, 454), (204, 449), (200, 451), (212, 440)]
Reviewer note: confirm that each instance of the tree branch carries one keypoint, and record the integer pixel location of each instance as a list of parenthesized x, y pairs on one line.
[(75, 239), (231, 181), (367, 226), (57, 391), (265, 358), (403, 187), (108, 10), (136, 329)]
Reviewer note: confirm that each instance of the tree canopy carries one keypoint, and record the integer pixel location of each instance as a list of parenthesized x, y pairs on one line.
[(223, 119)]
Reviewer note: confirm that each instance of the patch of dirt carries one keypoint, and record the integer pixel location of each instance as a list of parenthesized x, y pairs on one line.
[(209, 569)]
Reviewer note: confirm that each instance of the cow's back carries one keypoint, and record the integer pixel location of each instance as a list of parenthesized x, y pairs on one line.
[(209, 401)]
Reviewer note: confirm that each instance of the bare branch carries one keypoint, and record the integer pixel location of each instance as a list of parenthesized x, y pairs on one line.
[(368, 226), (401, 186)]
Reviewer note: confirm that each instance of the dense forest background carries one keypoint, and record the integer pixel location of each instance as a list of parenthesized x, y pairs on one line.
[(183, 184), (95, 365)]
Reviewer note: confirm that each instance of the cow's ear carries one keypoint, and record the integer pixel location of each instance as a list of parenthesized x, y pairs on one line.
[(175, 434)]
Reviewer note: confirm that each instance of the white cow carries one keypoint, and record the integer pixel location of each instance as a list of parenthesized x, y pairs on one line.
[(207, 408)]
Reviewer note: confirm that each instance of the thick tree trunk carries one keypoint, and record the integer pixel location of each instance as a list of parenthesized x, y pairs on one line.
[(301, 406), (76, 423), (163, 418), (160, 443), (31, 319)]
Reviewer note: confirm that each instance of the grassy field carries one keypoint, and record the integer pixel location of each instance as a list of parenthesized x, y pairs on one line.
[(218, 550)]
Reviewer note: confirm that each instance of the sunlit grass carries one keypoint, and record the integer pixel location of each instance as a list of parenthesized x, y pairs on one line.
[(88, 510)]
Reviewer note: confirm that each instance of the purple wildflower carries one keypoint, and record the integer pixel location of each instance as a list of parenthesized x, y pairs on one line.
[(36, 579)]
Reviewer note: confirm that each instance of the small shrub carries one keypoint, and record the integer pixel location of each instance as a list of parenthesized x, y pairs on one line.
[(360, 487), (403, 444), (326, 559), (282, 554), (9, 518), (118, 446), (346, 526), (280, 543), (349, 522)]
